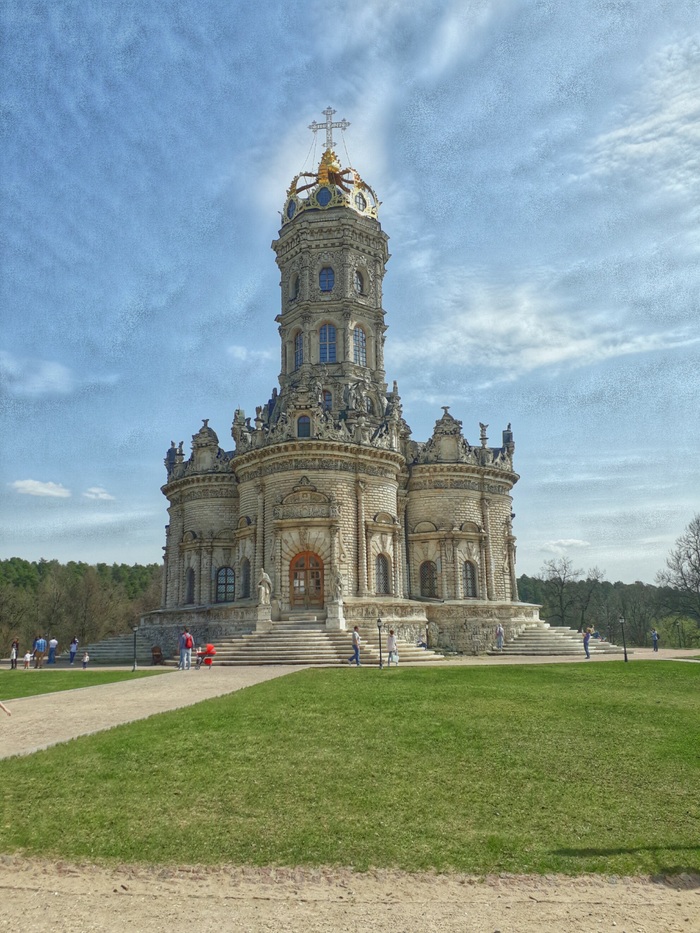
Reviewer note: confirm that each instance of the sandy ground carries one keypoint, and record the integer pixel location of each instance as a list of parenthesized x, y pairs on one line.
[(38, 896)]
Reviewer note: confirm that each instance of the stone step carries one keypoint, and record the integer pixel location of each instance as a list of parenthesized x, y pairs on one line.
[(116, 649), (319, 647), (542, 639)]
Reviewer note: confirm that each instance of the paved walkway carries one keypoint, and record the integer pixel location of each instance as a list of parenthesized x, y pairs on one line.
[(41, 721)]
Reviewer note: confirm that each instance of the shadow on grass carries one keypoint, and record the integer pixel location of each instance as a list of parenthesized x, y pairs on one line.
[(668, 874)]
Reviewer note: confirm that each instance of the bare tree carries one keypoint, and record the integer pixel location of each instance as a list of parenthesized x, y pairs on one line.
[(560, 576), (683, 570)]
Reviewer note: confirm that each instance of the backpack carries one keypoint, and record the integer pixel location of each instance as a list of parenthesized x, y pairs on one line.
[(188, 642)]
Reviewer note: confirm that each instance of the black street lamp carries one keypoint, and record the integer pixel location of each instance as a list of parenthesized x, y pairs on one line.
[(624, 643), (136, 628), (379, 632)]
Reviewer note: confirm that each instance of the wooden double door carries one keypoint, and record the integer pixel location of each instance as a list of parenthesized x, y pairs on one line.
[(306, 581)]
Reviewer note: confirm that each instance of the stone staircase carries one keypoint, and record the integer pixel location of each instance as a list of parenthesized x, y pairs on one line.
[(117, 650), (307, 642), (544, 639)]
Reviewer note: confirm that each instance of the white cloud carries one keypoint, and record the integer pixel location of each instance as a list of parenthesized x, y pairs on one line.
[(658, 132), (516, 331), (97, 492), (246, 355), (32, 487), (562, 545), (33, 378)]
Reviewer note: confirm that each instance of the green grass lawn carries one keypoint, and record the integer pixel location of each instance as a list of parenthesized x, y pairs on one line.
[(21, 683), (571, 768)]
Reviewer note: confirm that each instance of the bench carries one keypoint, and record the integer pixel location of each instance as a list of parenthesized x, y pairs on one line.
[(157, 655)]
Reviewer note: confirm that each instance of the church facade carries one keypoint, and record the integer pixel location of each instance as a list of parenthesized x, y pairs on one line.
[(326, 507)]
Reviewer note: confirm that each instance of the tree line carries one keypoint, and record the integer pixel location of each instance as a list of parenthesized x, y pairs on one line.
[(74, 599), (578, 599)]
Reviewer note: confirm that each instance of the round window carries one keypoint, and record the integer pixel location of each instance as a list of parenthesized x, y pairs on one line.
[(323, 196), (291, 209), (360, 202)]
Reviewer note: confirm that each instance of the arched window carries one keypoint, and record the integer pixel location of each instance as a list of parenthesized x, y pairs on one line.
[(327, 400), (225, 588), (304, 426), (469, 580), (298, 350), (326, 344), (359, 347), (381, 571), (358, 282), (245, 578), (326, 279), (428, 579), (189, 586)]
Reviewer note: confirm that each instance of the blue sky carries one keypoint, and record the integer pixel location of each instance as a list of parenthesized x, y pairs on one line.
[(539, 175)]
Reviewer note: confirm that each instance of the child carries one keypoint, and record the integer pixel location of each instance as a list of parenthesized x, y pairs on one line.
[(86, 658), (27, 659)]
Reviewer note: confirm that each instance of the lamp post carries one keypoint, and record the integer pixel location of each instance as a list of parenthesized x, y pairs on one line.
[(136, 628), (624, 643), (379, 632)]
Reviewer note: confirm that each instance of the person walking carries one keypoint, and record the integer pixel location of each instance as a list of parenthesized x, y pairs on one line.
[(356, 642), (39, 651), (392, 649), (53, 646), (14, 654), (655, 639), (73, 648), (586, 639), (86, 658), (27, 660), (500, 635)]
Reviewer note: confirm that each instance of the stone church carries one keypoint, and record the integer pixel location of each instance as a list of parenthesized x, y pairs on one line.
[(326, 507)]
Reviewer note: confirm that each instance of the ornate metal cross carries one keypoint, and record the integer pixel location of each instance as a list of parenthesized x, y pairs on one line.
[(329, 126)]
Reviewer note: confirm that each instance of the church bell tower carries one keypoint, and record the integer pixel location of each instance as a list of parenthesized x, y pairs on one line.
[(332, 254)]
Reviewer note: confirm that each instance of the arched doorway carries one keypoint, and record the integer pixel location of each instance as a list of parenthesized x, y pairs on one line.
[(306, 580)]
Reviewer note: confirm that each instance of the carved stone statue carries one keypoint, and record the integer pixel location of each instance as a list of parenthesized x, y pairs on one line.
[(338, 588), (264, 588)]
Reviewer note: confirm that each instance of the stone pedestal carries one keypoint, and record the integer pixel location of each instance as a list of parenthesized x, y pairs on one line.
[(263, 619), (335, 618)]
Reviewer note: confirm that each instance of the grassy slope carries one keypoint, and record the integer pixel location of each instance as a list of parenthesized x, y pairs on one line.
[(21, 683), (569, 768)]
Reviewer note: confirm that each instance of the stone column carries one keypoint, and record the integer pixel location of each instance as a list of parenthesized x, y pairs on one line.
[(347, 337), (198, 577), (259, 536), (396, 583), (207, 562), (511, 567), (368, 560), (485, 504), (361, 543), (379, 361), (443, 575), (403, 546)]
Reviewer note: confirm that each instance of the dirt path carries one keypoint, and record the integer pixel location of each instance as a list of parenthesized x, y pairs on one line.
[(42, 897)]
